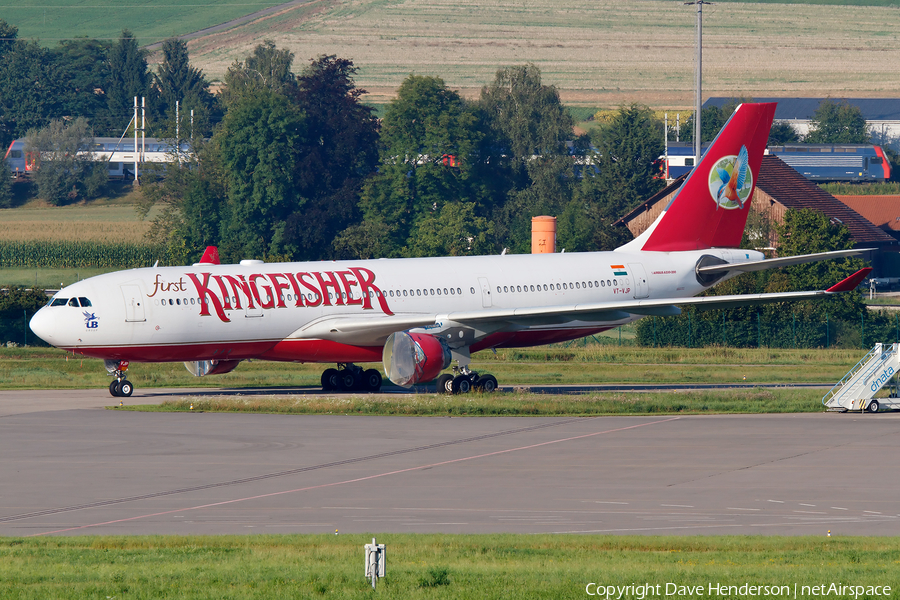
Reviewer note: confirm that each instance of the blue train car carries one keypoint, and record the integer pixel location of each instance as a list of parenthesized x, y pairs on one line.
[(816, 162), (836, 162)]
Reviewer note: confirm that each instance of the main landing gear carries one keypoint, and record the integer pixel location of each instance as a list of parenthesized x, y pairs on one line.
[(119, 387), (349, 377), (463, 381)]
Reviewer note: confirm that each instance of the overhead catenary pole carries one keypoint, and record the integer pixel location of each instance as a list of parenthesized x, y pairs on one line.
[(135, 139), (699, 77)]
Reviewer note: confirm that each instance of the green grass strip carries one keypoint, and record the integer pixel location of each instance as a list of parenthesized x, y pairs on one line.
[(443, 566), (504, 404)]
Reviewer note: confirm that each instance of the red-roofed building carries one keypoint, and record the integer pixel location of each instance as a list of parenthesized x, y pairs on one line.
[(881, 211)]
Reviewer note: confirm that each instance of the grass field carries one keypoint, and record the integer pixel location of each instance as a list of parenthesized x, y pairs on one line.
[(598, 53), (439, 566), (602, 53)]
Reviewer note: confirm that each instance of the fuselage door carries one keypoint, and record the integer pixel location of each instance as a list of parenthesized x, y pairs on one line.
[(639, 277), (485, 292), (134, 303)]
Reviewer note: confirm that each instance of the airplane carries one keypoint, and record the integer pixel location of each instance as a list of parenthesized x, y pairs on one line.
[(418, 315)]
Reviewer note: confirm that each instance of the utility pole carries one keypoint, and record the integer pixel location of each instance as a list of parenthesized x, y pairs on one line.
[(697, 126)]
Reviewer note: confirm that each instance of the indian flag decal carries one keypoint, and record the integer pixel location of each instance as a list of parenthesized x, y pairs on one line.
[(618, 269)]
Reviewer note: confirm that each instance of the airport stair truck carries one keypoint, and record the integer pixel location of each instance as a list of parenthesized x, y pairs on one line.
[(856, 391)]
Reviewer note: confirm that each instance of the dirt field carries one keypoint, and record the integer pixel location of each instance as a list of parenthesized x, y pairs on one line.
[(598, 52)]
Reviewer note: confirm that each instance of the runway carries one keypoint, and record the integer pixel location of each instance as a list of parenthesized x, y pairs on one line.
[(69, 467)]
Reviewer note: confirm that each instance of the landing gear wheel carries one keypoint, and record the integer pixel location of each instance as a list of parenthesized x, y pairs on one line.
[(461, 384), (486, 384), (330, 380), (114, 388), (444, 384), (125, 388), (347, 379), (372, 380), (873, 406)]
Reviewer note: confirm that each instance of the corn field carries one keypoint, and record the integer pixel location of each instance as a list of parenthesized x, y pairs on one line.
[(79, 255)]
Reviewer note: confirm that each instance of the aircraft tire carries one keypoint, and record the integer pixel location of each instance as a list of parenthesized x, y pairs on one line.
[(443, 384), (372, 380), (461, 384), (486, 384), (329, 380), (114, 388), (126, 388), (346, 380), (873, 406)]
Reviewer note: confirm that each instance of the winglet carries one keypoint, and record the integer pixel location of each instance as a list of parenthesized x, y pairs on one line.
[(211, 256), (851, 282)]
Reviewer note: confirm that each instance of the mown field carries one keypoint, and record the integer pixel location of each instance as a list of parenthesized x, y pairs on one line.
[(602, 53), (440, 566)]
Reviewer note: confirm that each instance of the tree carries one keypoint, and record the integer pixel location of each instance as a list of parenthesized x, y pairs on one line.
[(782, 133), (258, 145), (342, 151), (267, 67), (429, 157), (64, 161), (628, 148), (82, 66), (6, 191), (454, 231), (531, 170), (177, 81), (30, 90), (8, 36), (837, 123), (129, 77)]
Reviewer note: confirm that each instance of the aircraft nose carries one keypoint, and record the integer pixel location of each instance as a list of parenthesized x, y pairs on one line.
[(42, 325)]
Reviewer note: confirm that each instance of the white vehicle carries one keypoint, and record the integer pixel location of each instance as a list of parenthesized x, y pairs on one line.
[(419, 314)]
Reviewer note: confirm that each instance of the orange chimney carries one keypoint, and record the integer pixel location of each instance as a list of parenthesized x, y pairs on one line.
[(543, 235)]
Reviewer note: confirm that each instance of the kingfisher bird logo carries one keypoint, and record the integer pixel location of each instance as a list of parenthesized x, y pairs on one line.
[(730, 181), (90, 320)]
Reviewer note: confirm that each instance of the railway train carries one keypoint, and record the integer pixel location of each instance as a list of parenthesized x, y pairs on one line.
[(817, 162), (118, 154)]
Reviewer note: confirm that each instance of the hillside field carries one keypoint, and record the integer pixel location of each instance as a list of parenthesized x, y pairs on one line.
[(599, 53)]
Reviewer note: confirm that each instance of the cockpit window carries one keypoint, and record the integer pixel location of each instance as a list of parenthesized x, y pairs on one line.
[(84, 301), (73, 302), (59, 302)]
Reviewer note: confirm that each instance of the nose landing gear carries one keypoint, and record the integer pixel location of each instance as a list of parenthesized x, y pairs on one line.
[(349, 377), (120, 386), (463, 381)]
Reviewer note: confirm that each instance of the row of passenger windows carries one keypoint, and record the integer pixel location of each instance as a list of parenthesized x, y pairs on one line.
[(578, 285), (80, 301), (408, 293)]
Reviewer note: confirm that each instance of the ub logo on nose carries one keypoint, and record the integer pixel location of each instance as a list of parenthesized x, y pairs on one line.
[(90, 320)]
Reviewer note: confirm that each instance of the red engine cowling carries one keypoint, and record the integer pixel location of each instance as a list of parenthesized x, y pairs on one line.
[(410, 358)]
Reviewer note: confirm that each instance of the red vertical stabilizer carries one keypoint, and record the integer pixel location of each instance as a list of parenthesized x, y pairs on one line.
[(710, 210), (210, 256)]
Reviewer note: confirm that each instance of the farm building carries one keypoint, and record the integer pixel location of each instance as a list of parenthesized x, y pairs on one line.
[(778, 188), (881, 114)]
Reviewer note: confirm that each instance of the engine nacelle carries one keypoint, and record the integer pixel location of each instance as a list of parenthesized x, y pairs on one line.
[(201, 368), (410, 358)]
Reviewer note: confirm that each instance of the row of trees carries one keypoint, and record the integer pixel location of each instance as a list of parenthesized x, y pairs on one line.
[(834, 122), (97, 80)]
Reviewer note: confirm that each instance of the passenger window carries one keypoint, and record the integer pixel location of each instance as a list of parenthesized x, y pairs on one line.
[(84, 301), (171, 302), (603, 284), (608, 282), (459, 291), (518, 288), (472, 290), (565, 287), (445, 289), (59, 302), (532, 288), (577, 285), (615, 282), (178, 301), (418, 292), (545, 287)]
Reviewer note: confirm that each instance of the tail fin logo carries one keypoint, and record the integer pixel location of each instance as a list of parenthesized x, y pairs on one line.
[(731, 181)]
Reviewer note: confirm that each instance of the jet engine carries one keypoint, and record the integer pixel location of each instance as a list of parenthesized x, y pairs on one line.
[(410, 358), (201, 368)]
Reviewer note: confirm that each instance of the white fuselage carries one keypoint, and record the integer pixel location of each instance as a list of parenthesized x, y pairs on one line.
[(259, 310)]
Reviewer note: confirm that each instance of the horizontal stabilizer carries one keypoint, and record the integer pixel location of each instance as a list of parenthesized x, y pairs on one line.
[(851, 282), (774, 263)]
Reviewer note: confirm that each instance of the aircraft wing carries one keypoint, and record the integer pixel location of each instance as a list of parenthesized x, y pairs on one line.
[(374, 330), (774, 263)]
